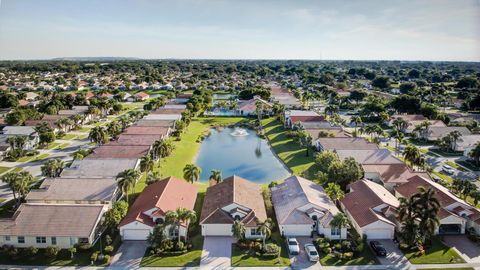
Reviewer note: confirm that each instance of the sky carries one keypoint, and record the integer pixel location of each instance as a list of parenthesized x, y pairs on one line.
[(439, 30)]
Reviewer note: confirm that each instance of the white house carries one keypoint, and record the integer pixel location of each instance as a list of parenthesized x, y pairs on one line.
[(153, 203), (233, 199), (29, 132), (371, 209), (302, 208)]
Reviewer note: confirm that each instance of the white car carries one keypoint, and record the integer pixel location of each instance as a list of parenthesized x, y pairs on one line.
[(448, 169), (293, 247), (312, 253)]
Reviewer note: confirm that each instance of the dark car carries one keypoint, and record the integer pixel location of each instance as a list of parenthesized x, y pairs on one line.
[(378, 248)]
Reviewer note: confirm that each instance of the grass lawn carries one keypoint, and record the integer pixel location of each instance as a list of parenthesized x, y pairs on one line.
[(25, 159), (365, 258), (445, 154), (42, 156), (53, 145), (241, 258), (437, 253), (455, 165), (186, 149), (6, 210), (290, 152), (443, 176), (85, 129), (4, 169), (69, 137), (81, 137), (63, 146)]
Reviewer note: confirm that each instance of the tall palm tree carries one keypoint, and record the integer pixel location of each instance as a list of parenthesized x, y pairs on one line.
[(98, 135), (411, 154), (146, 164), (335, 192), (53, 168), (259, 108), (216, 176), (398, 136), (400, 124), (427, 207), (407, 215), (238, 230), (356, 120), (475, 154), (187, 217), (114, 128), (126, 180), (172, 218), (454, 136), (191, 172), (265, 229)]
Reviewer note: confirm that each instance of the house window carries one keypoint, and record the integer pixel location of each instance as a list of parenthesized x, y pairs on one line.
[(73, 241), (54, 240), (7, 238), (254, 231), (174, 233), (21, 239), (335, 231), (41, 239)]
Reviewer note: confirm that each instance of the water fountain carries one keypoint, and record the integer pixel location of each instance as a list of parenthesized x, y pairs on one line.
[(239, 132)]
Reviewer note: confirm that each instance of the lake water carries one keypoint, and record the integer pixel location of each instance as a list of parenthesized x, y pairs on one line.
[(247, 156)]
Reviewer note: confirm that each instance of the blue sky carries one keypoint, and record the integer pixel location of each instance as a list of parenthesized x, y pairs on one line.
[(241, 29)]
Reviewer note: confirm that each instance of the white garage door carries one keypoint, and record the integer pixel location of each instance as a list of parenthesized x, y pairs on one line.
[(129, 234), (217, 230), (379, 234)]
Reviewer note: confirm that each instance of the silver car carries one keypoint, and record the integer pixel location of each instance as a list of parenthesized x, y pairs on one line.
[(312, 253), (293, 247)]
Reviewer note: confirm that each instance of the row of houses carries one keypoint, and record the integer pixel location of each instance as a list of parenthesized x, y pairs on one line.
[(69, 210)]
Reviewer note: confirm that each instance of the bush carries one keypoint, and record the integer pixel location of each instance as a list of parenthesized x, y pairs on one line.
[(51, 252), (94, 256), (346, 245), (272, 249), (327, 250), (31, 251), (360, 247), (85, 246), (108, 249), (320, 240), (12, 251), (106, 258), (403, 246), (338, 246), (72, 252), (108, 239), (347, 255), (179, 246)]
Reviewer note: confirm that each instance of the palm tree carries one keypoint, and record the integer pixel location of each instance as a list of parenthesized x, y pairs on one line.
[(400, 124), (331, 109), (411, 154), (475, 154), (191, 172), (265, 229), (20, 183), (186, 217), (161, 148), (238, 230), (172, 218), (53, 168), (259, 110), (216, 176), (427, 207), (114, 128), (407, 215), (398, 136), (126, 180), (152, 177), (335, 192), (356, 120), (340, 221), (98, 135), (146, 164), (454, 136)]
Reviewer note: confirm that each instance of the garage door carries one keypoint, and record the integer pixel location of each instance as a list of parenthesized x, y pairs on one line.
[(379, 234), (217, 230), (130, 234)]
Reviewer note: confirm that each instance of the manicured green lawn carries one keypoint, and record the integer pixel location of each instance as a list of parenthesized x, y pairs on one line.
[(186, 149), (437, 253), (42, 156), (84, 129), (241, 258), (25, 159), (53, 145), (69, 137), (63, 146), (455, 165), (289, 151), (365, 258), (4, 169), (443, 176)]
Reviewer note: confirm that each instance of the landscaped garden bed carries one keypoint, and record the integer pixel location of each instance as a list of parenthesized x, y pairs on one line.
[(250, 253), (344, 252), (436, 252)]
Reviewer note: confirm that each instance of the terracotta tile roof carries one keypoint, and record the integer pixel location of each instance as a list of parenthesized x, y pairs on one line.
[(332, 144), (168, 111), (444, 196), (98, 168), (119, 151), (233, 189), (142, 95), (155, 123), (139, 130), (308, 118), (52, 220), (409, 117), (165, 195), (365, 195), (393, 173), (126, 139), (375, 156)]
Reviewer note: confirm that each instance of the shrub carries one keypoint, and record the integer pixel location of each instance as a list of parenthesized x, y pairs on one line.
[(347, 255), (31, 251), (72, 252), (272, 249), (51, 252), (320, 240), (108, 239), (403, 246), (106, 258), (108, 249), (346, 245), (338, 246), (360, 247), (85, 246), (179, 246), (12, 251), (324, 245), (94, 256), (327, 250)]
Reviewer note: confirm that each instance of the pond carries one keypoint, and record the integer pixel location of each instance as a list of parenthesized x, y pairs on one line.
[(240, 152)]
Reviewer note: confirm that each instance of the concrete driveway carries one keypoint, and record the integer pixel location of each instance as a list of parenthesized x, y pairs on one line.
[(394, 256), (129, 255), (301, 261), (469, 250), (217, 252)]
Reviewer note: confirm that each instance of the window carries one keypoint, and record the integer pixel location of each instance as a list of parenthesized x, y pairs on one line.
[(21, 239), (254, 231), (41, 239), (54, 240), (73, 241), (7, 238), (174, 233), (335, 232)]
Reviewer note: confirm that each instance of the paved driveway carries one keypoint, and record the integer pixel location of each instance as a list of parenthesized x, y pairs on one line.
[(467, 249), (301, 261), (129, 255), (394, 256), (217, 252)]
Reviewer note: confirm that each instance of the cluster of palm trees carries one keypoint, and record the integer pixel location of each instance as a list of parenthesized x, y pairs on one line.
[(178, 217), (17, 146), (465, 188), (475, 154), (264, 228), (449, 141), (53, 168), (414, 157), (374, 130), (418, 215), (98, 135), (20, 183)]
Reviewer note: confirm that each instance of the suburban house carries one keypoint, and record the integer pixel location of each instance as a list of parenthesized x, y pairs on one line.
[(414, 120), (390, 175), (302, 208), (375, 156), (78, 110), (293, 117), (141, 96), (161, 132), (153, 203), (171, 117), (249, 107), (4, 146), (119, 151), (436, 133), (466, 144), (233, 199), (29, 132), (133, 139), (371, 209), (155, 123), (75, 191), (99, 168), (315, 128), (334, 144), (43, 225), (455, 214)]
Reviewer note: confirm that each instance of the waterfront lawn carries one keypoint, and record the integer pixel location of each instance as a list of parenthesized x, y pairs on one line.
[(438, 252), (290, 152)]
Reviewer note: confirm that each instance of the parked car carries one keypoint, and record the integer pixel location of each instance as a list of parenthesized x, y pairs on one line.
[(378, 248), (312, 253), (293, 246), (448, 169)]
